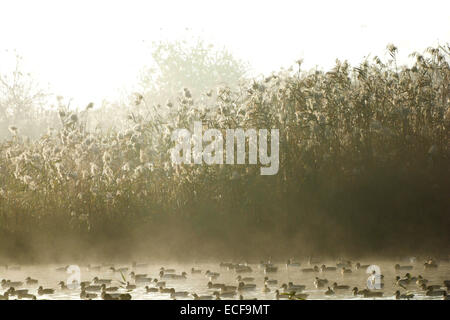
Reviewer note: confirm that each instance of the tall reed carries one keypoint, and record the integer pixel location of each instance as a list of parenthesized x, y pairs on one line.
[(364, 169)]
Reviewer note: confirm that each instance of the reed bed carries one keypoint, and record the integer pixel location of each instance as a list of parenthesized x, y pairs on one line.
[(364, 169)]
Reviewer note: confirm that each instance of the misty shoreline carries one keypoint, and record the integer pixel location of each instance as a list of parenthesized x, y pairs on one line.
[(364, 169)]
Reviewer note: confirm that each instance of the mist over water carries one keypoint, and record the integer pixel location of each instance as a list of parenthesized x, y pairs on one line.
[(197, 283)]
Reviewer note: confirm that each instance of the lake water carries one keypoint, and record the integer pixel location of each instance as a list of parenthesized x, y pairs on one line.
[(48, 277)]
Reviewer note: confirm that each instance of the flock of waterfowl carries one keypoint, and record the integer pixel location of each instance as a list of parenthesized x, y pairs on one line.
[(128, 282)]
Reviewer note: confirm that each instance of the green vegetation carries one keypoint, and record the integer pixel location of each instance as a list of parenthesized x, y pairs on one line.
[(364, 169)]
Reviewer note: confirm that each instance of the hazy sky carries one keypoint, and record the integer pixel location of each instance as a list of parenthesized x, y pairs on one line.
[(90, 49)]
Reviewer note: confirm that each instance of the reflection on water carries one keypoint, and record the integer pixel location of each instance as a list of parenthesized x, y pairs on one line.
[(49, 277)]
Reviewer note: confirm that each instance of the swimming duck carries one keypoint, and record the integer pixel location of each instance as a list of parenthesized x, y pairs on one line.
[(409, 277), (432, 287), (62, 286), (232, 266), (135, 276), (225, 264), (172, 276), (110, 296), (42, 291), (266, 289), (228, 288), (130, 286), (344, 264), (340, 287), (109, 289), (435, 293), (90, 288), (399, 267), (246, 286), (82, 283), (358, 292), (96, 280), (420, 281), (174, 294), (125, 296), (30, 281), (195, 271), (243, 269), (373, 294), (15, 284), (212, 275), (197, 297), (215, 285), (167, 270), (163, 275), (9, 283), (240, 265), (407, 296), (239, 278), (13, 292), (263, 264), (279, 296), (62, 269), (26, 295), (270, 282), (270, 269), (136, 265), (182, 276), (430, 264), (159, 283), (401, 282), (87, 296), (329, 292), (315, 269), (320, 283), (359, 266), (345, 271), (93, 268), (150, 290), (298, 296), (165, 290), (324, 268), (366, 293), (291, 263), (142, 280), (225, 294), (293, 287)]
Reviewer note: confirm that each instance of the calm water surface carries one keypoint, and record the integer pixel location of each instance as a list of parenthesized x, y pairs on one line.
[(197, 283)]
